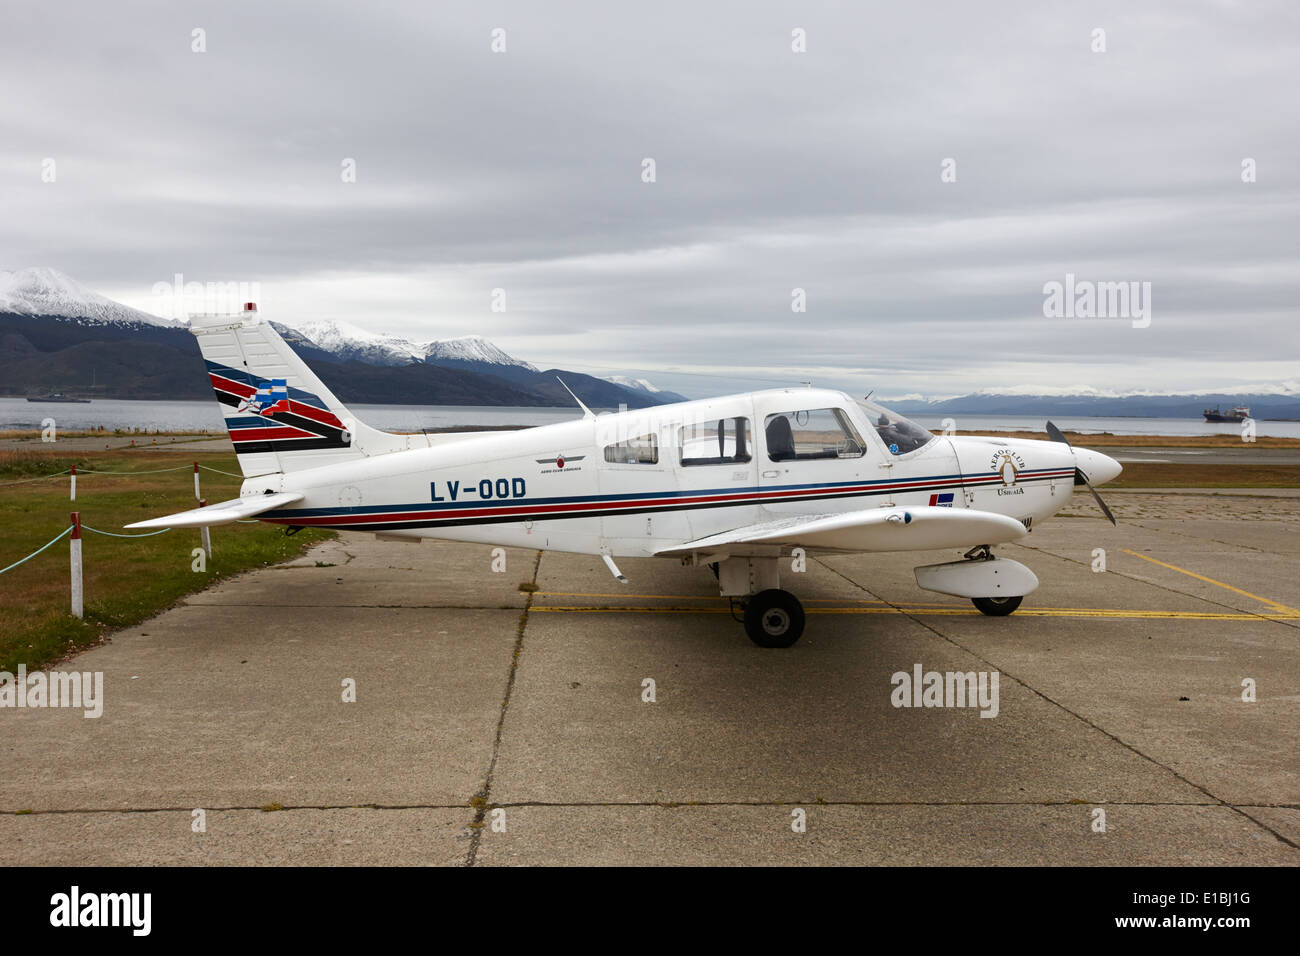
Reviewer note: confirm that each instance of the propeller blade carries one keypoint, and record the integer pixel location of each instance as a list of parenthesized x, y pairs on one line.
[(1079, 475), (1054, 434)]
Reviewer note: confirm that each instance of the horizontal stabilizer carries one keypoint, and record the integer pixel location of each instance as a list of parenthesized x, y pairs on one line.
[(919, 528), (224, 512)]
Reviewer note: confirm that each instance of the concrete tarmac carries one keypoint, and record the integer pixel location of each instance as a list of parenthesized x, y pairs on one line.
[(502, 717)]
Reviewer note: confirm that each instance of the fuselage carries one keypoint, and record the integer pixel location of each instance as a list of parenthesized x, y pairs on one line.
[(631, 483)]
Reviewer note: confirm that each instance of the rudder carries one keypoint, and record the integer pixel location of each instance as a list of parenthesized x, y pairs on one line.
[(280, 415)]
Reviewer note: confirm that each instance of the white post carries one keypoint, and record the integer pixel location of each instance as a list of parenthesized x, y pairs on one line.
[(196, 481), (74, 483), (75, 552), (203, 532)]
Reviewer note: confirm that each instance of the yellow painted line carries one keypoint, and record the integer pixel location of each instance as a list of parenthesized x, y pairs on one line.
[(1201, 577), (949, 611), (675, 597), (880, 607), (712, 597)]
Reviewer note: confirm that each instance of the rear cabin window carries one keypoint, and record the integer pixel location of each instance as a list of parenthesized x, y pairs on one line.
[(723, 442), (812, 433), (642, 450)]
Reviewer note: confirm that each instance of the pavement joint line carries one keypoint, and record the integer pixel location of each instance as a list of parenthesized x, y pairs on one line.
[(1077, 716), (481, 800), (665, 804), (238, 808), (1201, 577), (1239, 613)]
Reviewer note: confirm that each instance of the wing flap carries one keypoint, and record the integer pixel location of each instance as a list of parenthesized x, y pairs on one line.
[(224, 512), (920, 528)]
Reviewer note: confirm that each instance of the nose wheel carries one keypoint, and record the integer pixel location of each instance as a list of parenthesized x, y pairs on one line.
[(997, 606), (774, 618)]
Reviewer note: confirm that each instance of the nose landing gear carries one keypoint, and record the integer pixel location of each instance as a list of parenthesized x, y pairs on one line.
[(997, 606)]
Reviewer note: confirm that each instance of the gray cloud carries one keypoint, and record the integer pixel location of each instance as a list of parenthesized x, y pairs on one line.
[(775, 170)]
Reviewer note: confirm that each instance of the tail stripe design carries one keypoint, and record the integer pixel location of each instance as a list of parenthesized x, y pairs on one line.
[(279, 417)]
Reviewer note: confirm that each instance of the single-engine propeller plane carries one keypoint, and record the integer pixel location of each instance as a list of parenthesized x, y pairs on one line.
[(734, 484)]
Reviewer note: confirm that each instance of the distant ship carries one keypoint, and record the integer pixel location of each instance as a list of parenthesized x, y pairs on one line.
[(1239, 413), (58, 397)]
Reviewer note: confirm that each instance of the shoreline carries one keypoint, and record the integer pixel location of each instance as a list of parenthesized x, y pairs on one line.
[(119, 437)]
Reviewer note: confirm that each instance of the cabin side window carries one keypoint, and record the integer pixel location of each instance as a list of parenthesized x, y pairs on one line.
[(812, 433), (725, 441), (641, 450)]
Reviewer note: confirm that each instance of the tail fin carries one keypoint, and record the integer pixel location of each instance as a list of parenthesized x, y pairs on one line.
[(280, 416)]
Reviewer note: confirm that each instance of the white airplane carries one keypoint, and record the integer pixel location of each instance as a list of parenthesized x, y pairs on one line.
[(736, 483)]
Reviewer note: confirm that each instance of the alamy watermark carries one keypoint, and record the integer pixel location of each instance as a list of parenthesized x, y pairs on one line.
[(1085, 299), (78, 689), (130, 910), (922, 688), (180, 299)]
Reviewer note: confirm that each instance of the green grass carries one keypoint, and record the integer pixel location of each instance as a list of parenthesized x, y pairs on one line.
[(126, 580)]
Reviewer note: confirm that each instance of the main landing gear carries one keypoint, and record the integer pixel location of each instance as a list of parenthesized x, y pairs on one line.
[(772, 617)]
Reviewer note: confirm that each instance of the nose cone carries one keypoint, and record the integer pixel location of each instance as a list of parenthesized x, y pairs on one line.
[(1098, 467)]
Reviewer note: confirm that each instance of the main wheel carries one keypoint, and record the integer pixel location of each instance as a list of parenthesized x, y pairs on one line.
[(997, 607), (774, 618)]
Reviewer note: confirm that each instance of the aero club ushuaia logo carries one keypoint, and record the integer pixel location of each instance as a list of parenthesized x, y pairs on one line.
[(1007, 465)]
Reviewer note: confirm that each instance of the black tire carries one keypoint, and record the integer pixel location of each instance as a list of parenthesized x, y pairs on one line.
[(997, 607), (774, 618)]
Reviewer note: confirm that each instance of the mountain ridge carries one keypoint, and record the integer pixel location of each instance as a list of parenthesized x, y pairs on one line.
[(1263, 405), (48, 321)]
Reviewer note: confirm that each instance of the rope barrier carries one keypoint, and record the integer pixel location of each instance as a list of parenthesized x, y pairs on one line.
[(88, 471), (156, 471), (62, 534), (23, 481), (111, 534)]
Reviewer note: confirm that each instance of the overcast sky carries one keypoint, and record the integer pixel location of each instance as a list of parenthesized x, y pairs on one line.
[(775, 170)]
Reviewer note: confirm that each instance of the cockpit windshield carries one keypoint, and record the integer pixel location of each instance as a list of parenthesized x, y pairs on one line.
[(900, 435)]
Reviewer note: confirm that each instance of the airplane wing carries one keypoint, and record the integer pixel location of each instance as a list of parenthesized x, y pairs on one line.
[(918, 528), (225, 512)]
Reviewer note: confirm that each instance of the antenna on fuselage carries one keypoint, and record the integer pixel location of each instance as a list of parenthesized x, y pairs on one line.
[(586, 412)]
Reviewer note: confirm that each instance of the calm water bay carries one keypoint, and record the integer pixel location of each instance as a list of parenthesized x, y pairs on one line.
[(180, 416)]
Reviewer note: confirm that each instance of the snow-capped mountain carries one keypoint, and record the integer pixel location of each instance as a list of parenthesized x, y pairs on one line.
[(639, 384), (349, 342), (471, 348), (39, 290)]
